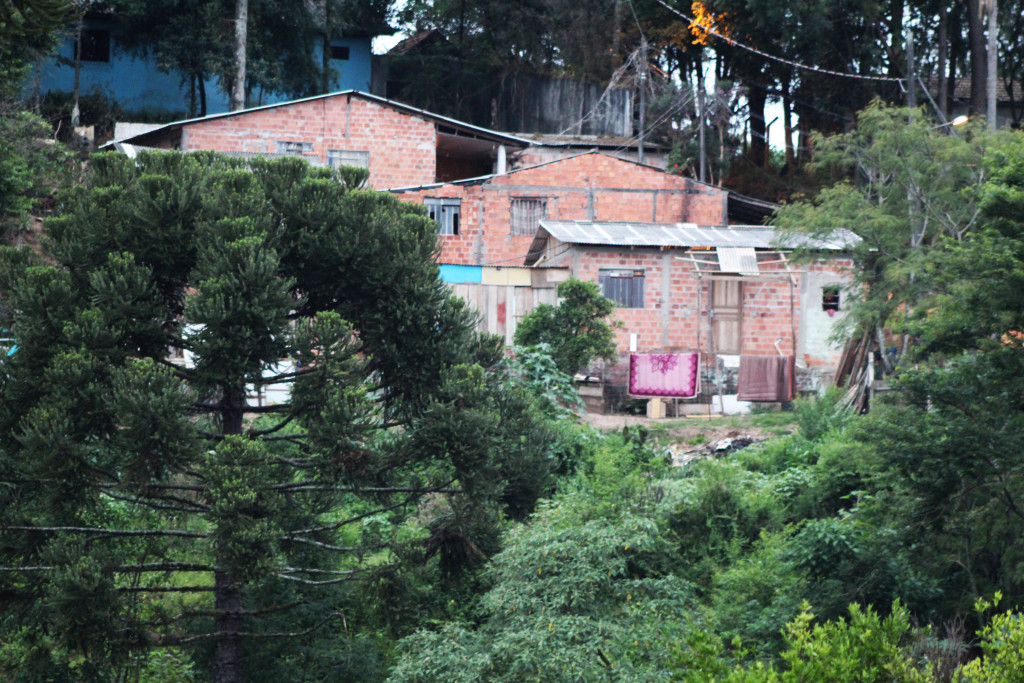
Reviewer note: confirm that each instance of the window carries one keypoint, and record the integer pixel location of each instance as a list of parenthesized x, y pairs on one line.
[(348, 157), (445, 212), (830, 299), (526, 215), (624, 287), (339, 51), (289, 147), (95, 44)]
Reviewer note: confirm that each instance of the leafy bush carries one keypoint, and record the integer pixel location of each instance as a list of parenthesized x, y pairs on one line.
[(577, 329), (32, 166), (861, 649), (821, 414), (722, 516), (1002, 642)]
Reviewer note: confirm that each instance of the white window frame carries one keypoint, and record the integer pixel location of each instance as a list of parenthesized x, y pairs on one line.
[(447, 212)]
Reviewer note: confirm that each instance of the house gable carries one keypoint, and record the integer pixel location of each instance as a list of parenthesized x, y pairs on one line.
[(500, 214), (400, 145)]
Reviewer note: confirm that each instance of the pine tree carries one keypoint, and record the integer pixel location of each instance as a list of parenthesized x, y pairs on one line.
[(146, 503)]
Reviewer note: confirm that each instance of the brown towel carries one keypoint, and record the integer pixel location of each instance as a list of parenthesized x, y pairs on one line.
[(766, 378)]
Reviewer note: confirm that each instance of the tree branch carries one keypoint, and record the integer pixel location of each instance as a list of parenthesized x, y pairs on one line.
[(242, 634), (109, 532)]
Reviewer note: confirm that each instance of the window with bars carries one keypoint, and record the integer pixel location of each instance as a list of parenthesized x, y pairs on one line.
[(446, 212), (348, 157), (291, 147), (526, 213), (624, 287)]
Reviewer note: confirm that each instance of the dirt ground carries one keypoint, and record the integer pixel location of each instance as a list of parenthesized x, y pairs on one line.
[(701, 436)]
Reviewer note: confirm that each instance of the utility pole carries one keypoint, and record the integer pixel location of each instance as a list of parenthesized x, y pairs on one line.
[(700, 116), (643, 97)]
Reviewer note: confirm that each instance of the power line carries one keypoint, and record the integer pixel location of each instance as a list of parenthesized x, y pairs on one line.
[(787, 62)]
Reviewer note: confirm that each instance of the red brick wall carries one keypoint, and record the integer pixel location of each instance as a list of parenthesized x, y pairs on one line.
[(671, 322), (401, 146), (587, 187)]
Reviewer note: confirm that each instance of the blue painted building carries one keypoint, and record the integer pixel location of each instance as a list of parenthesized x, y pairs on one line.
[(135, 84)]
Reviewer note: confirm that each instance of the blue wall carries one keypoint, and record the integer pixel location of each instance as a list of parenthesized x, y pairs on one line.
[(455, 275), (136, 84)]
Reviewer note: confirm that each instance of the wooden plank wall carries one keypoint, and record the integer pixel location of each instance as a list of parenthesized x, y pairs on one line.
[(501, 307)]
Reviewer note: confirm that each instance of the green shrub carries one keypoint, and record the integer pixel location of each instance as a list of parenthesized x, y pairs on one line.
[(819, 415), (861, 649), (1002, 645)]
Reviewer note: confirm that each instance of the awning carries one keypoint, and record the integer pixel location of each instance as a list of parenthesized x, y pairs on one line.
[(740, 260)]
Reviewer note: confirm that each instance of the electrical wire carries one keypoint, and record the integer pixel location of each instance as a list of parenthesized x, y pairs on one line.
[(787, 62)]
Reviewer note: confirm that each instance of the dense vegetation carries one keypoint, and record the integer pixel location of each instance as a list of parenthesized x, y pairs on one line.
[(426, 509), (430, 512)]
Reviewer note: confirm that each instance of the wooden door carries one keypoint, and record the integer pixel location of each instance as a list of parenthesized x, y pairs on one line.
[(727, 314)]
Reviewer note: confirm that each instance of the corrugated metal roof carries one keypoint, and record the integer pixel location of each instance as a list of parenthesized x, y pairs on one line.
[(422, 113), (685, 235)]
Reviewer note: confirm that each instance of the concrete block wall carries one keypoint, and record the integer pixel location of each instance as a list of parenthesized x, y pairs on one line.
[(402, 147)]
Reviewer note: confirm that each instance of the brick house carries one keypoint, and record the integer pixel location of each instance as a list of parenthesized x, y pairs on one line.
[(400, 145), (722, 291), (492, 220)]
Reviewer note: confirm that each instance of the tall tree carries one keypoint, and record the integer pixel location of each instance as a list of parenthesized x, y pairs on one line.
[(147, 503), (902, 189)]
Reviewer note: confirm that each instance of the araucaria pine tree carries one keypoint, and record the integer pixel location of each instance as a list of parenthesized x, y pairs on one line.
[(149, 503)]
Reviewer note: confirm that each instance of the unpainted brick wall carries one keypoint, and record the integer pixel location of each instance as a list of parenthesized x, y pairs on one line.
[(402, 148), (587, 187)]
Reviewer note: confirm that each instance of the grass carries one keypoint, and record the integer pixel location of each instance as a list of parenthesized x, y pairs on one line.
[(776, 422)]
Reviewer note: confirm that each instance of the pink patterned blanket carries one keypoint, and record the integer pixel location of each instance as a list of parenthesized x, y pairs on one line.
[(673, 375)]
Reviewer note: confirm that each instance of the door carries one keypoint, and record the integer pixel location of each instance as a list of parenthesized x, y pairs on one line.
[(726, 315)]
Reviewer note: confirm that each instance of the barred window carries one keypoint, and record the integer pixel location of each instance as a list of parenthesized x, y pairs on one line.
[(526, 214), (290, 147), (348, 157), (446, 212), (624, 287)]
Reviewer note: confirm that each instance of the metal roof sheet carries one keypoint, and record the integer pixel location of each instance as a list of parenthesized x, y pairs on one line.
[(742, 260), (686, 235), (422, 113)]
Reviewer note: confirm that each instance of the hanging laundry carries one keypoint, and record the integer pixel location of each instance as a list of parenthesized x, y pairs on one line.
[(672, 375), (766, 378)]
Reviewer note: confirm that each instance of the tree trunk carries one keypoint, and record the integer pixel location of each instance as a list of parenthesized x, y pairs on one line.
[(227, 657), (757, 97), (993, 67), (896, 38), (75, 111), (941, 96), (201, 79), (976, 39), (325, 83), (787, 122), (617, 34), (237, 99)]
